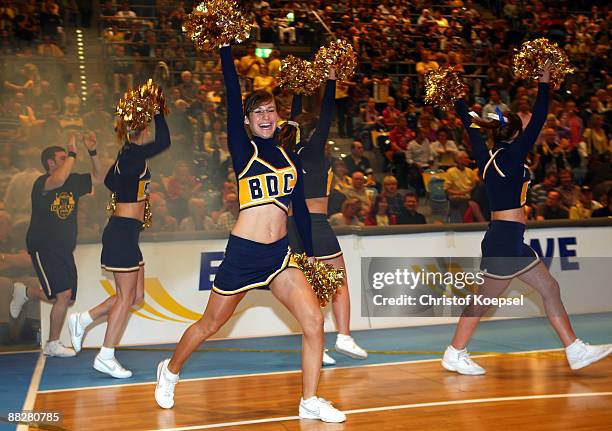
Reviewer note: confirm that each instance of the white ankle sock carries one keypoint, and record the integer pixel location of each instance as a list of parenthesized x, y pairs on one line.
[(85, 319), (170, 375), (107, 353)]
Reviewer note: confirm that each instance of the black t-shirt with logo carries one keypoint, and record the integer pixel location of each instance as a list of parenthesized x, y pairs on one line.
[(54, 213)]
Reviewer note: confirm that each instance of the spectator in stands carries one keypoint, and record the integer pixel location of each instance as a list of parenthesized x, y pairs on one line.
[(399, 137), (356, 161), (380, 213), (458, 184), (395, 200), (249, 64), (569, 191), (125, 12), (606, 211), (595, 137), (539, 192), (571, 121), (198, 220), (227, 218), (524, 111), (182, 186), (16, 201), (495, 103), (551, 209), (345, 122), (188, 88), (585, 206), (391, 114), (123, 76), (48, 48), (444, 150), (358, 189), (409, 213), (351, 208), (264, 81), (164, 222)]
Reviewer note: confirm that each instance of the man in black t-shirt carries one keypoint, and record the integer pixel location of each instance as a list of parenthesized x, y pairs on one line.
[(409, 214), (51, 237)]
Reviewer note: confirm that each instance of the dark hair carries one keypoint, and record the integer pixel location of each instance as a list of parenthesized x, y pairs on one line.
[(256, 99), (411, 194), (49, 154), (376, 204), (286, 136), (512, 126)]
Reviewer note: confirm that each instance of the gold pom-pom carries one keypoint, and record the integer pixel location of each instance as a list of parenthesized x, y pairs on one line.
[(298, 76), (214, 23), (340, 55), (529, 61), (324, 278), (443, 87), (138, 106)]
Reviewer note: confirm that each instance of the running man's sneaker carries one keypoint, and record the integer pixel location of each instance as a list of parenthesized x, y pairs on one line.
[(460, 362), (112, 367), (76, 331), (580, 354), (346, 345), (166, 381), (56, 348), (318, 408), (328, 360), (18, 300)]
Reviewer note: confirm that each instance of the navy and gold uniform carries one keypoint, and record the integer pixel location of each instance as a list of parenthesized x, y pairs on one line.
[(317, 176), (506, 178), (128, 180), (266, 175), (52, 233)]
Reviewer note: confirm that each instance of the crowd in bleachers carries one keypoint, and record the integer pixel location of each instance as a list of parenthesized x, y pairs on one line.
[(408, 163)]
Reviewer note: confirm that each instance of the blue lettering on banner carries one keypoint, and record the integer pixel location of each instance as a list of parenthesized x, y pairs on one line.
[(207, 270), (564, 252)]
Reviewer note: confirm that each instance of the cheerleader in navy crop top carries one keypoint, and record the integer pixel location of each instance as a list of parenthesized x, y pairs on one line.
[(128, 180), (269, 181), (317, 182), (504, 253)]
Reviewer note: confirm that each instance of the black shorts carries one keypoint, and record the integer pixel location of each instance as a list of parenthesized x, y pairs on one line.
[(324, 239), (251, 265), (56, 271), (504, 253), (120, 249)]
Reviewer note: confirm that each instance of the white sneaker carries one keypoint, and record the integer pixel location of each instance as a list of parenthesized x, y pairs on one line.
[(328, 360), (112, 367), (56, 348), (164, 391), (580, 354), (18, 300), (76, 331), (318, 408), (460, 362), (346, 345)]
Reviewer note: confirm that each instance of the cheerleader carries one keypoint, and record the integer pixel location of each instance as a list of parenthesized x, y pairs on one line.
[(258, 253), (505, 256), (318, 177), (128, 180)]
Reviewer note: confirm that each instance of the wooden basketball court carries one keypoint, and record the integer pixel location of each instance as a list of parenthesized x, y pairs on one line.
[(525, 391)]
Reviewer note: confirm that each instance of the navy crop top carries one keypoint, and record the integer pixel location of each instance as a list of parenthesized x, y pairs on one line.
[(129, 177), (266, 173), (317, 168), (503, 168)]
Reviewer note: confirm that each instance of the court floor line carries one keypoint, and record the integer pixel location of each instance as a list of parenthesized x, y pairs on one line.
[(30, 399), (397, 407), (325, 369)]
